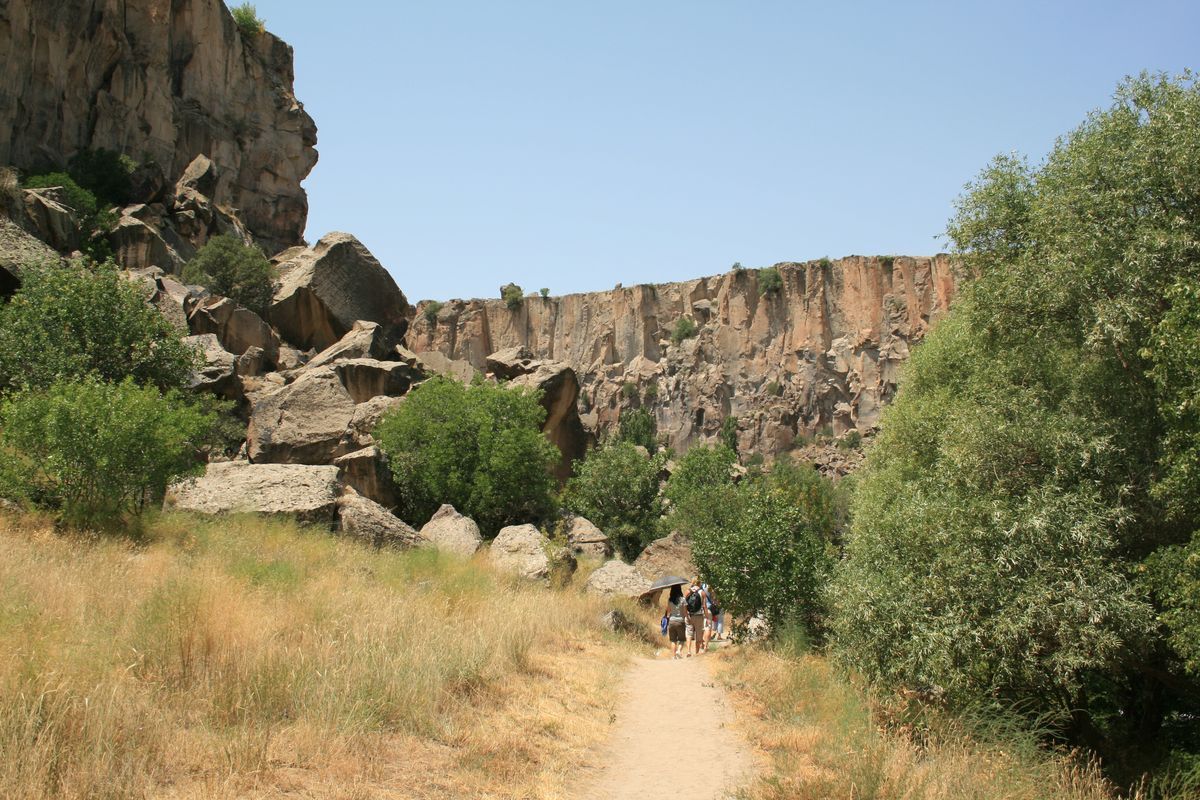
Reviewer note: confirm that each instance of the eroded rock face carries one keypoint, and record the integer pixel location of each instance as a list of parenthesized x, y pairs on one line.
[(303, 422), (161, 82), (560, 394), (616, 579), (450, 531), (822, 352), (523, 550), (367, 471), (371, 523), (237, 328), (322, 291), (670, 555), (586, 539), (308, 493)]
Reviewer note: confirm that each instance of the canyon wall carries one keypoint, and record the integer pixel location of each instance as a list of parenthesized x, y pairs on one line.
[(161, 81), (819, 355)]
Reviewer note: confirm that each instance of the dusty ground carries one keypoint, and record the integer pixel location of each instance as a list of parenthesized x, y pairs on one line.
[(673, 736)]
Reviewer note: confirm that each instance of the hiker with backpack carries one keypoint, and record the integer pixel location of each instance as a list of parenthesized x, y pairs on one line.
[(676, 614), (697, 609)]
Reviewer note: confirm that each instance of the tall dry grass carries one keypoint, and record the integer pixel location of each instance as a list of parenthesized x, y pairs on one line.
[(243, 657), (827, 741)]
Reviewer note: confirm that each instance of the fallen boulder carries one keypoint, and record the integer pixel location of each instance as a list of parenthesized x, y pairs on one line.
[(616, 579), (308, 493), (585, 539), (363, 340), (450, 531), (367, 471), (670, 555), (238, 328), (371, 523), (367, 378), (523, 550), (217, 373), (325, 289), (560, 394), (302, 422)]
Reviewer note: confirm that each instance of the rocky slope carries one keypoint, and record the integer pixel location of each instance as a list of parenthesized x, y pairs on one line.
[(820, 355), (161, 81)]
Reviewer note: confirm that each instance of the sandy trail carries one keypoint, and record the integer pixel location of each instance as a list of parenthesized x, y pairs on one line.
[(673, 736)]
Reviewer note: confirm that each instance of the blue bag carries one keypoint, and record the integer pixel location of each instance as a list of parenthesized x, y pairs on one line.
[(664, 625)]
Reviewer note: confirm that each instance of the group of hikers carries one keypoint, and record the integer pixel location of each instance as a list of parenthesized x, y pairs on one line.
[(692, 618)]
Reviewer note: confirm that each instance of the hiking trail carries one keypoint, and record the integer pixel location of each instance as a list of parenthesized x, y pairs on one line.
[(673, 735)]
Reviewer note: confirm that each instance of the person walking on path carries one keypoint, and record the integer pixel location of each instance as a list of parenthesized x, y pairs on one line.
[(714, 613), (697, 608), (676, 612)]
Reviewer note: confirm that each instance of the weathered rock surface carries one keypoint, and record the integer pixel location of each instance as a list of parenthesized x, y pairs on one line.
[(17, 249), (586, 539), (450, 531), (367, 471), (366, 378), (369, 522), (823, 352), (308, 493), (51, 219), (670, 555), (216, 374), (367, 416), (560, 394), (237, 328), (161, 82), (322, 291), (363, 340), (616, 579), (522, 550), (303, 422)]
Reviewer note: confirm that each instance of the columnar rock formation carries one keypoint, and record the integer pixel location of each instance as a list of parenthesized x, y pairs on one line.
[(161, 81), (820, 354)]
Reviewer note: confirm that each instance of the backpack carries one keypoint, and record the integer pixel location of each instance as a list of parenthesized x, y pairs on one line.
[(694, 602)]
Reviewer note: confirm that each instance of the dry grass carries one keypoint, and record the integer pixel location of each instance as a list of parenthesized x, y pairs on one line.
[(244, 658), (826, 742)]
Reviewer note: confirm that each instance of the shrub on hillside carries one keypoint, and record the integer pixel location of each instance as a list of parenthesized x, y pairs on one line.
[(512, 295), (228, 267), (616, 487), (769, 281), (685, 328), (479, 448), (637, 426), (431, 311), (65, 323), (247, 19), (106, 174), (729, 431), (700, 470), (94, 450)]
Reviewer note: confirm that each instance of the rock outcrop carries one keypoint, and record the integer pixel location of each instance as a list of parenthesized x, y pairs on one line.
[(522, 550), (615, 578), (303, 422), (371, 523), (308, 493), (585, 539), (161, 82), (670, 555), (820, 355), (450, 531)]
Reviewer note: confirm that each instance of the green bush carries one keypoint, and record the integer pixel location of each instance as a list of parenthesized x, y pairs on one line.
[(729, 431), (629, 390), (512, 295), (700, 470), (431, 311), (651, 393), (479, 448), (1042, 447), (96, 451), (235, 270), (852, 440), (65, 323), (737, 267), (544, 292), (685, 328), (247, 19), (774, 389), (769, 281), (637, 426), (80, 200), (106, 174), (616, 487)]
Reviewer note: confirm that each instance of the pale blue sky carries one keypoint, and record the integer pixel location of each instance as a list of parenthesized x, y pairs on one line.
[(574, 145)]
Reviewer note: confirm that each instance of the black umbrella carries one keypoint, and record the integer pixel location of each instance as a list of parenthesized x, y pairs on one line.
[(664, 582)]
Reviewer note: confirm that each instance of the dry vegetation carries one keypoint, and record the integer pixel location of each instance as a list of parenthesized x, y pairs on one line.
[(827, 742), (244, 658)]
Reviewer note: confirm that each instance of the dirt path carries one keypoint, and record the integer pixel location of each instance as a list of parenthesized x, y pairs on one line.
[(673, 737)]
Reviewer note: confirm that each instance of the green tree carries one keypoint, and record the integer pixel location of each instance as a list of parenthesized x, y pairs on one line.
[(96, 451), (105, 173), (616, 487), (72, 322), (685, 328), (230, 268), (479, 448), (700, 470), (769, 281), (512, 295), (1037, 453), (638, 426), (247, 19)]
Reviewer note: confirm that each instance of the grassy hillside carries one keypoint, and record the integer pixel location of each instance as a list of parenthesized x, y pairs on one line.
[(246, 658)]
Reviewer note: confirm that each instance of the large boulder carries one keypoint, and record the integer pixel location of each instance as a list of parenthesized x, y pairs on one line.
[(367, 416), (363, 340), (238, 328), (324, 290), (303, 422), (137, 244), (522, 550), (616, 579), (217, 372), (371, 523), (308, 493), (51, 219), (585, 539), (450, 531), (670, 555), (367, 378), (511, 362), (560, 394), (367, 471), (17, 249)]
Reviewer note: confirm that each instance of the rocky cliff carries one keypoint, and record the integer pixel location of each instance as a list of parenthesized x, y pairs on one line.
[(818, 355), (161, 81)]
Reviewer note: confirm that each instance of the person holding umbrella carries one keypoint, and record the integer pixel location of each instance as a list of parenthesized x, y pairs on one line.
[(676, 621)]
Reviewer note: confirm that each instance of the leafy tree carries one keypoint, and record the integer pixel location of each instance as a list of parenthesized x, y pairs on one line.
[(97, 450), (512, 295), (685, 328), (431, 311), (479, 448), (68, 323), (544, 292), (247, 19), (1039, 449), (235, 270), (106, 174), (700, 470), (637, 426), (769, 281), (728, 434), (616, 487)]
